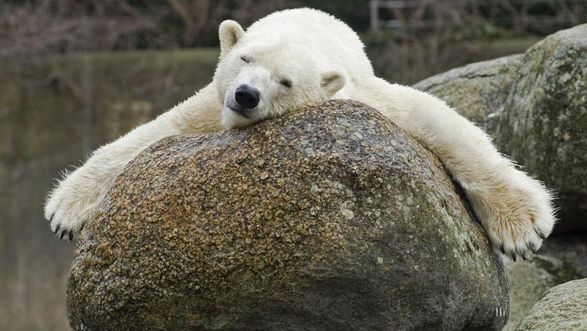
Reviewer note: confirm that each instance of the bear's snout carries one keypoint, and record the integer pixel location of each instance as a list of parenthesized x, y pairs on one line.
[(247, 96)]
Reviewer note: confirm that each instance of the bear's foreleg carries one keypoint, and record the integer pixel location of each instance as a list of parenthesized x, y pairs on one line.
[(515, 209), (75, 198)]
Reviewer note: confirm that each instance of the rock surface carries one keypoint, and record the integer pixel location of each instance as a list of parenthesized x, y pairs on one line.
[(478, 91), (545, 125), (535, 106), (563, 307), (328, 218), (528, 280)]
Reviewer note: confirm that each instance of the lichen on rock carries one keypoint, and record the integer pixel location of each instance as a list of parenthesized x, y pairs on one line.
[(328, 218), (545, 125), (563, 307), (478, 90)]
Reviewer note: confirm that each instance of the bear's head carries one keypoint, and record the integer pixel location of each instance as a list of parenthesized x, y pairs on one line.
[(264, 75)]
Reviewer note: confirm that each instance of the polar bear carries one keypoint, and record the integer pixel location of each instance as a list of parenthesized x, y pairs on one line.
[(298, 57)]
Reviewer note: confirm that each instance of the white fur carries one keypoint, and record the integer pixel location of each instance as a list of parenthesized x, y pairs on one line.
[(323, 59)]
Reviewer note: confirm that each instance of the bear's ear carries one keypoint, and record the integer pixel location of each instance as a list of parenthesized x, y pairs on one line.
[(229, 33), (332, 81)]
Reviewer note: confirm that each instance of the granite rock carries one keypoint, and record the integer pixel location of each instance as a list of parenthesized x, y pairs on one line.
[(544, 125), (563, 307), (534, 105), (327, 218)]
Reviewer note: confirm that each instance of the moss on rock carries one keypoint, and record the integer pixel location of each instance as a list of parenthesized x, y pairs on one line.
[(328, 218), (545, 125), (477, 91), (563, 307)]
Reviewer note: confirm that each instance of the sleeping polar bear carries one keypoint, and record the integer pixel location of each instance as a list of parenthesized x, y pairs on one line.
[(297, 57)]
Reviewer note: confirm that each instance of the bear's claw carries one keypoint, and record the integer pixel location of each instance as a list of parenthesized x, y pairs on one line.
[(533, 247), (69, 234), (520, 218), (70, 205), (540, 233), (64, 230)]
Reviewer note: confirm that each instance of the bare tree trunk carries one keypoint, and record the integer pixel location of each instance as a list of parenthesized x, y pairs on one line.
[(195, 14)]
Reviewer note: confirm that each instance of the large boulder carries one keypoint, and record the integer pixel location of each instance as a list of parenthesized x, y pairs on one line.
[(545, 125), (563, 307), (535, 106), (328, 218)]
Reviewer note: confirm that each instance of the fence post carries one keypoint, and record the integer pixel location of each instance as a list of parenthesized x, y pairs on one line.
[(374, 15)]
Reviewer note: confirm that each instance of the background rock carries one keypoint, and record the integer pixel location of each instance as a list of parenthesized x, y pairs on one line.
[(535, 106), (545, 125), (571, 249), (528, 280), (478, 91), (329, 218), (564, 307), (562, 258)]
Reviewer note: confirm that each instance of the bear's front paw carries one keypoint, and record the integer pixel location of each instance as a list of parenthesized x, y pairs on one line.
[(68, 207), (518, 215)]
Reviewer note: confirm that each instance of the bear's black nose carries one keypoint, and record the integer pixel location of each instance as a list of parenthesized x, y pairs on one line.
[(247, 96)]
